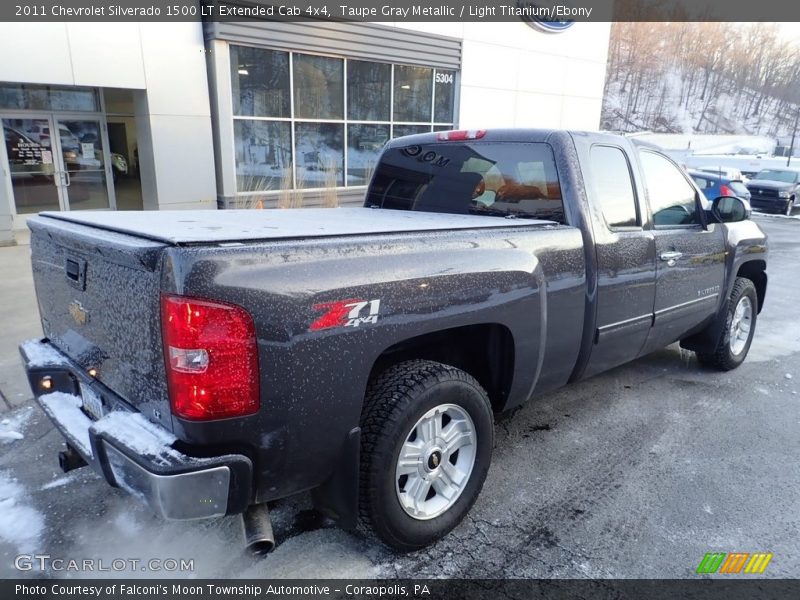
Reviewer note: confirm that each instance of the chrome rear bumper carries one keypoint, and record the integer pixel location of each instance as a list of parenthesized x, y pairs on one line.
[(131, 452)]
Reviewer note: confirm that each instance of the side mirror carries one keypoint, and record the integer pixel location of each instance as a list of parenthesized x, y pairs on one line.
[(730, 209)]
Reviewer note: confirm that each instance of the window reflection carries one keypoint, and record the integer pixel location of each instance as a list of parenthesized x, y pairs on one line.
[(260, 80), (263, 155), (401, 130), (318, 87), (320, 154), (413, 93), (364, 143), (332, 128), (368, 90), (18, 96)]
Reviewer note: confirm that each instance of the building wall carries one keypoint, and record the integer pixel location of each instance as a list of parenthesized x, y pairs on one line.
[(163, 63), (526, 77)]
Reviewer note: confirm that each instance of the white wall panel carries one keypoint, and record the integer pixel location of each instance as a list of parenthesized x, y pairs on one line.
[(106, 55), (35, 53)]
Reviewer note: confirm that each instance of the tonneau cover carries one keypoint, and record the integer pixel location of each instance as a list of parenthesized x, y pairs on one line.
[(212, 226)]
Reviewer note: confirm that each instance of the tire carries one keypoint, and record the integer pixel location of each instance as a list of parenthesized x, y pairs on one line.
[(789, 208), (401, 406), (737, 334)]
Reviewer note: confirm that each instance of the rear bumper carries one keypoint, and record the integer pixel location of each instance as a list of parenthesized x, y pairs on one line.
[(128, 450)]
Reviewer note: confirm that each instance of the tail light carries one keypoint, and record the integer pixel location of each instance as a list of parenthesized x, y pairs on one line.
[(461, 135), (211, 357), (724, 190)]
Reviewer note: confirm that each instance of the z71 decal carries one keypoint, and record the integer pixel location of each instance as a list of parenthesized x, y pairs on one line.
[(346, 313)]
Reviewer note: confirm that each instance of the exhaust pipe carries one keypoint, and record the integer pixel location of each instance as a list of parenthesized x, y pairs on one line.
[(258, 537), (69, 460)]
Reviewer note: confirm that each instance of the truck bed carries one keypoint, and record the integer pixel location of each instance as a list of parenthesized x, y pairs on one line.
[(227, 226)]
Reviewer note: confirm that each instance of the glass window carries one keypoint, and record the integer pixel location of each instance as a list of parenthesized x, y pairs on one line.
[(444, 97), (311, 131), (263, 155), (614, 187), (368, 90), (260, 80), (484, 178), (320, 154), (43, 97), (401, 130), (782, 175), (364, 144), (318, 87), (672, 198), (702, 182), (413, 89), (74, 99)]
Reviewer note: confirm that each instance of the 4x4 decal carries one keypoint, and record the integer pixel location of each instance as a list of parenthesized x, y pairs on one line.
[(346, 313)]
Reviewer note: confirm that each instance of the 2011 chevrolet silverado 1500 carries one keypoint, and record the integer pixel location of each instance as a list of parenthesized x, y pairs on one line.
[(210, 362)]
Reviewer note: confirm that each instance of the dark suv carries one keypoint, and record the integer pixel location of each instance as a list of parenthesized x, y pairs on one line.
[(775, 190)]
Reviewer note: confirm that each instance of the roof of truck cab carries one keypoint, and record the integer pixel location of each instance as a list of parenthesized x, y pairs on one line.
[(226, 226)]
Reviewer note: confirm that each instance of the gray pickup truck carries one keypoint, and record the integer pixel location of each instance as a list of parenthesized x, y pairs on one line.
[(210, 362)]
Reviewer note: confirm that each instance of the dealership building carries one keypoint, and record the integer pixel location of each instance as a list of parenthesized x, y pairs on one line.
[(190, 115)]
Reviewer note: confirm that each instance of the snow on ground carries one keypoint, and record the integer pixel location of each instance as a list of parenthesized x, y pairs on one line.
[(20, 524), (12, 426)]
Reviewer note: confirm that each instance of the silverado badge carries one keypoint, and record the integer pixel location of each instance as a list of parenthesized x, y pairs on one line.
[(79, 314)]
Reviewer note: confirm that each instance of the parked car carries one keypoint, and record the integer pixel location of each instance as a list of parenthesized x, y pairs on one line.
[(713, 185), (775, 190), (119, 165), (211, 361), (732, 173)]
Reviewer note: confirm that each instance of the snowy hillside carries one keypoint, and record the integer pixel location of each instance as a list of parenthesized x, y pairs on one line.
[(712, 78)]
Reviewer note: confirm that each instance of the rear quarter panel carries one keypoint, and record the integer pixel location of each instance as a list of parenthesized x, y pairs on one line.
[(528, 279)]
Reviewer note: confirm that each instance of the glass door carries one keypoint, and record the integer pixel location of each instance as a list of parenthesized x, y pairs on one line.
[(33, 164), (83, 152)]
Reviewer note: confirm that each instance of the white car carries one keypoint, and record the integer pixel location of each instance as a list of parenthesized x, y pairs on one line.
[(731, 173)]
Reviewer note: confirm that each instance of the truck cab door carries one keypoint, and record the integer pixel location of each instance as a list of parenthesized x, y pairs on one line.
[(690, 265), (625, 253)]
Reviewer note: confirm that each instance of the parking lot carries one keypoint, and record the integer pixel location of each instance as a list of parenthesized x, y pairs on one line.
[(636, 473)]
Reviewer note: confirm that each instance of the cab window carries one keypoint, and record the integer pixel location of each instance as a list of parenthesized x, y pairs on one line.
[(672, 199), (614, 187)]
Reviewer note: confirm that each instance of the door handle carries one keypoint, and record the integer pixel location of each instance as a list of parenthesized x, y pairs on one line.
[(670, 257), (68, 180)]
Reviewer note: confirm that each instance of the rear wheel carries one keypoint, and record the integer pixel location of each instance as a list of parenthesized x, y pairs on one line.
[(427, 438), (737, 334)]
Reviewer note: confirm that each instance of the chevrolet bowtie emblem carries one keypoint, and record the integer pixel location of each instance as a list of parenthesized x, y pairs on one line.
[(78, 313)]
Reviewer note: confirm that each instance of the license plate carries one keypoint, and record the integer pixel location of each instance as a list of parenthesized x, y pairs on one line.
[(92, 403)]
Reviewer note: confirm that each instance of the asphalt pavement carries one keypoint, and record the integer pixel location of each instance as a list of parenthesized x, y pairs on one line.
[(636, 473)]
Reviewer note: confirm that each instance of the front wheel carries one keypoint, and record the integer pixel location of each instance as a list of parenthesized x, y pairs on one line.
[(789, 207), (740, 325), (426, 445)]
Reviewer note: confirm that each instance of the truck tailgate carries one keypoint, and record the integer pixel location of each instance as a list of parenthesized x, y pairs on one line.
[(99, 299)]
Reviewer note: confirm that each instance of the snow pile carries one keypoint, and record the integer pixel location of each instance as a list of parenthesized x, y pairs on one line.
[(66, 410), (20, 524), (138, 434), (40, 354), (12, 426)]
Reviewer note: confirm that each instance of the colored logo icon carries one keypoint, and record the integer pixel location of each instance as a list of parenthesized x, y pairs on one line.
[(734, 562)]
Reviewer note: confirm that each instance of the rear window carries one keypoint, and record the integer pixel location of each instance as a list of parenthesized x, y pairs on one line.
[(702, 182), (485, 178), (738, 187)]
